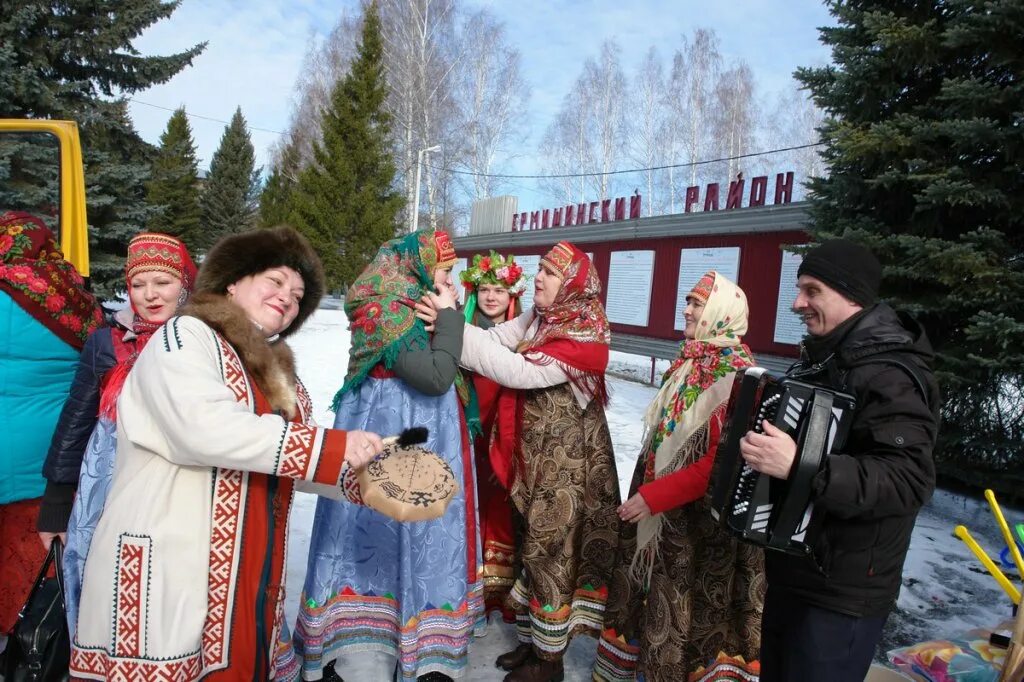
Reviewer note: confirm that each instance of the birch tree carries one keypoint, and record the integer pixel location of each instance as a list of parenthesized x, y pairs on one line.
[(420, 62), (492, 92), (648, 123), (736, 119), (794, 121)]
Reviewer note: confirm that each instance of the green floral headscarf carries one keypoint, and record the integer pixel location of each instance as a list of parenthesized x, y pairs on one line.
[(379, 304)]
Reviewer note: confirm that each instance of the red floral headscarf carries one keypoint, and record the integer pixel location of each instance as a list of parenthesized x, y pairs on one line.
[(36, 276), (574, 330)]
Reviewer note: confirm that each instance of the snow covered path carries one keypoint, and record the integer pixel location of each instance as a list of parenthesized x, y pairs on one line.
[(945, 589)]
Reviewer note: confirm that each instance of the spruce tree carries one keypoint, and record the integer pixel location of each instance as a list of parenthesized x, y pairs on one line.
[(276, 197), (66, 60), (345, 201), (926, 155), (173, 187), (232, 187)]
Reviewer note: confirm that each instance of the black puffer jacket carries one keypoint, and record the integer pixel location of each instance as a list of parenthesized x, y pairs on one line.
[(870, 494), (74, 427)]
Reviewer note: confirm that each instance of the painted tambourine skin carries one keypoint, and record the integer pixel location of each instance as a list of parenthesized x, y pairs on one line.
[(408, 484)]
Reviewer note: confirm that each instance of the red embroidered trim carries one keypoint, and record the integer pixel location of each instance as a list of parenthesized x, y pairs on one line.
[(296, 450), (234, 372), (128, 623), (97, 664), (305, 403), (227, 507)]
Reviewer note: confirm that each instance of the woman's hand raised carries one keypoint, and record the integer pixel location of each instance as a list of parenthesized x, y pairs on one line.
[(427, 307), (361, 447)]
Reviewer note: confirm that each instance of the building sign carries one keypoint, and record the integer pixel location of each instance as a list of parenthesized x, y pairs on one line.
[(734, 199), (623, 208), (604, 211)]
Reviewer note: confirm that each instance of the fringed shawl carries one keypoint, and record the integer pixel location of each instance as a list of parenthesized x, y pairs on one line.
[(380, 305), (696, 385)]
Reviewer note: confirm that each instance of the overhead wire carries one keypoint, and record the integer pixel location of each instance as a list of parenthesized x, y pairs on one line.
[(508, 176), (200, 116), (629, 170)]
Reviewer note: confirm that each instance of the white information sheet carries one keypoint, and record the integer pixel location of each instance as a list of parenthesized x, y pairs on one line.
[(693, 263), (629, 287), (788, 326), (459, 266), (529, 264)]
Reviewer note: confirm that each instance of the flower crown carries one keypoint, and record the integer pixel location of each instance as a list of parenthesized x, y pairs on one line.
[(495, 270)]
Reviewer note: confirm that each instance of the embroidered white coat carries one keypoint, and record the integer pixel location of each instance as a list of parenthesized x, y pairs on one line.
[(158, 593)]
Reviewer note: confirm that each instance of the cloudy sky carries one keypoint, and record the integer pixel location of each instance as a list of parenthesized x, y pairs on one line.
[(255, 50)]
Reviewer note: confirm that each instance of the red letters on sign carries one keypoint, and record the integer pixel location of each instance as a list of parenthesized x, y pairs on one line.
[(692, 196), (634, 206), (735, 198), (758, 190), (620, 208), (784, 189), (711, 197)]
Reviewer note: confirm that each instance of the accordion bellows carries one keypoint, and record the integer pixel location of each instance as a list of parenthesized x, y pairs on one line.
[(408, 484)]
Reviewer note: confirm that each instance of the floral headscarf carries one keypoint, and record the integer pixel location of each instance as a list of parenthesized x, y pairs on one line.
[(574, 330), (696, 384), (36, 276), (380, 303)]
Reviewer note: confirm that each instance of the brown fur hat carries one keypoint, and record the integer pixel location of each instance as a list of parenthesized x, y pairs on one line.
[(249, 253)]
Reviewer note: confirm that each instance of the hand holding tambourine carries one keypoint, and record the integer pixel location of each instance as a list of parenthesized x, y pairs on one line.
[(406, 482)]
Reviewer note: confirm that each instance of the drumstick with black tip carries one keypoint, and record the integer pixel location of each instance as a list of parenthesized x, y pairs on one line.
[(412, 436)]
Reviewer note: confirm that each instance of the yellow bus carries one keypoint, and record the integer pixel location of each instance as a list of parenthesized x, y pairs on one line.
[(41, 173)]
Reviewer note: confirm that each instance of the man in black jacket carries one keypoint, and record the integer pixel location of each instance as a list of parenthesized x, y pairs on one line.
[(823, 615)]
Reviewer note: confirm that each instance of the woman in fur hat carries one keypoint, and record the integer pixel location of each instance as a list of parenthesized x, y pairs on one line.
[(379, 593), (185, 576), (563, 479), (159, 276), (684, 589)]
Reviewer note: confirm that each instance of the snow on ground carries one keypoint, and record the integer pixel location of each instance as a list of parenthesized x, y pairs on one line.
[(945, 589)]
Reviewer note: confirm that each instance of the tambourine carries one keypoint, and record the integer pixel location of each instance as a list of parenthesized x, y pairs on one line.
[(407, 482)]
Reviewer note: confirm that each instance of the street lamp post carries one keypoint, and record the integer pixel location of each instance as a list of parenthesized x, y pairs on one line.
[(419, 168)]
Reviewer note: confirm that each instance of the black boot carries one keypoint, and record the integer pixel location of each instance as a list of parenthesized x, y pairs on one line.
[(537, 670), (330, 674), (510, 660)]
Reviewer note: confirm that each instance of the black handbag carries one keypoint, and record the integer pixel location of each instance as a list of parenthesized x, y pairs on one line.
[(38, 646)]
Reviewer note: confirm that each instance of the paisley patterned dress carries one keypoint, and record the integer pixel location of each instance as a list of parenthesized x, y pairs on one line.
[(567, 491), (705, 596)]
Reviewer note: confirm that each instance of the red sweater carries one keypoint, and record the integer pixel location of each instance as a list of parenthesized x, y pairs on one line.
[(689, 483)]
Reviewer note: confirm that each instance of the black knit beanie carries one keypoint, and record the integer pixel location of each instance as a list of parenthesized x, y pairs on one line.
[(848, 267)]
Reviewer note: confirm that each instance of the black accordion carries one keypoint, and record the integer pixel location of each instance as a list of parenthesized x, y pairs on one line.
[(773, 513)]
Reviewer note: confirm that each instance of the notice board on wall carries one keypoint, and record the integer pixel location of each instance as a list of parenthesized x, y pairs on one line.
[(789, 328), (630, 276)]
